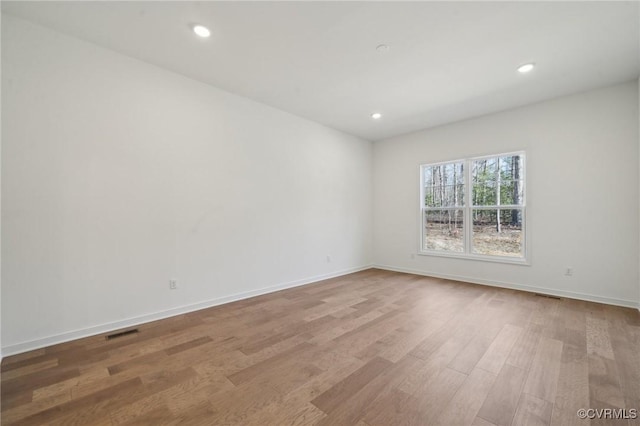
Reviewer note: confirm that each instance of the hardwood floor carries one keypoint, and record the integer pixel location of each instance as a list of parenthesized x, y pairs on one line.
[(371, 348)]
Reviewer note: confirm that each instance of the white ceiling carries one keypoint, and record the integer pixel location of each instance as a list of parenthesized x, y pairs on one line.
[(447, 60)]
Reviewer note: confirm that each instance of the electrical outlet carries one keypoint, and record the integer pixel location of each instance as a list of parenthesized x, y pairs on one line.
[(412, 256), (569, 271), (173, 284), (328, 259)]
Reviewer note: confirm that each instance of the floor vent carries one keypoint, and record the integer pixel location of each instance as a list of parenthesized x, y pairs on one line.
[(121, 334), (548, 296)]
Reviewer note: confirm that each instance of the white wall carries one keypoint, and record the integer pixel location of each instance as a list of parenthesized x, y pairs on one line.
[(582, 159), (118, 176)]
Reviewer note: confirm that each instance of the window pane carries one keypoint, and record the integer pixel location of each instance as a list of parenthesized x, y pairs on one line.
[(484, 178), (484, 170), (511, 192), (511, 167), (511, 180), (444, 196), (444, 185), (484, 193), (495, 237), (444, 230), (498, 177), (427, 173)]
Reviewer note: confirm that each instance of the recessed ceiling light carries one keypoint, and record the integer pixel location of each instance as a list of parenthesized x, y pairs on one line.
[(201, 30), (526, 67), (376, 116), (382, 48)]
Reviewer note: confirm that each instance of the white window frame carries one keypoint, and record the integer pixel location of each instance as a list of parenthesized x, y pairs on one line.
[(467, 210)]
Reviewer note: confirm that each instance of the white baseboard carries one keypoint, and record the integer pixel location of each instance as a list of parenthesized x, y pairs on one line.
[(142, 319), (527, 288)]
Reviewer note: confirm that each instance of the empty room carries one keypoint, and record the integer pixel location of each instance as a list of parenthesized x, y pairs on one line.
[(357, 213)]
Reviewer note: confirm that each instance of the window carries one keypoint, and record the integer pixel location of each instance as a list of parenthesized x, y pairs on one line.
[(474, 208)]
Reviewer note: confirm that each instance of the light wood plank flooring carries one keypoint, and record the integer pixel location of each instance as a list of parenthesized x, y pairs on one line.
[(371, 348)]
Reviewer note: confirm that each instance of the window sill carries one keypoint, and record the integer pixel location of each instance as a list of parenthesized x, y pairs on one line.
[(478, 257)]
